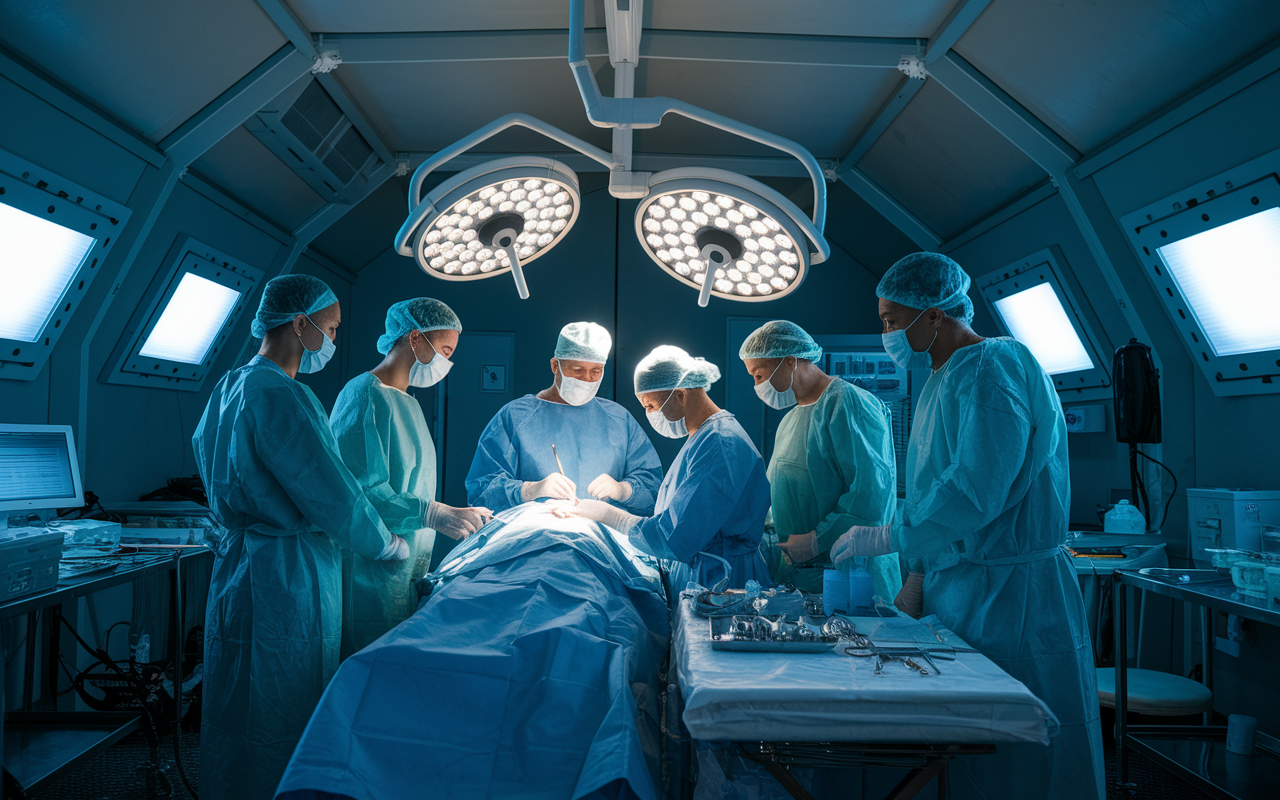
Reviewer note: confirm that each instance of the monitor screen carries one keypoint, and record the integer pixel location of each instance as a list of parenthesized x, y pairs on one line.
[(37, 467)]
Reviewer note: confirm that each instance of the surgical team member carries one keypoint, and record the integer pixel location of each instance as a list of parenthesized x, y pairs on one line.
[(285, 505), (988, 493), (384, 440), (604, 452), (832, 465), (712, 503)]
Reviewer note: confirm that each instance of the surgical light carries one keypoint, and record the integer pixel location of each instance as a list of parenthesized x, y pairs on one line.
[(1230, 280), (38, 260), (1037, 318), (700, 222), (190, 321), (492, 219)]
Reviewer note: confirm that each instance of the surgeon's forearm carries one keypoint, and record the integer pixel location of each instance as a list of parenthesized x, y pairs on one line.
[(399, 511)]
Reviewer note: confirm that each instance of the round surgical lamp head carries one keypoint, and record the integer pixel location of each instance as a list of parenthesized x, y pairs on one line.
[(751, 240), (493, 218)]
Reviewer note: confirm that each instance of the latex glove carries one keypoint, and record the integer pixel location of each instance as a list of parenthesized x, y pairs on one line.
[(612, 516), (606, 488), (554, 485), (397, 550), (910, 599), (801, 548), (862, 541), (456, 523)]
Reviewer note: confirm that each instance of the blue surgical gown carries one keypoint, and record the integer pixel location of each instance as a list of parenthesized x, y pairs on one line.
[(598, 437), (833, 467), (284, 504), (988, 496), (712, 500), (384, 439)]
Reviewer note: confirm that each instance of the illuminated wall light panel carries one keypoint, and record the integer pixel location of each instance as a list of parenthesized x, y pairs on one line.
[(55, 236), (1212, 254), (1031, 302), (185, 319)]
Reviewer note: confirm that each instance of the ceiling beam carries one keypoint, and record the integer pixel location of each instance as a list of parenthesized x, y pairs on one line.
[(231, 108), (1235, 81), (907, 88), (320, 221), (742, 48), (955, 26), (1003, 113), (1023, 202), (292, 28), (902, 219), (759, 167)]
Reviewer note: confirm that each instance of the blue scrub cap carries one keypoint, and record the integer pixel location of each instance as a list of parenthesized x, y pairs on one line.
[(286, 297), (584, 341), (779, 339), (420, 314), (670, 367), (928, 280)]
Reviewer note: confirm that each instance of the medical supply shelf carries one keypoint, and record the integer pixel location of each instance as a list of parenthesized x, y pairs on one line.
[(38, 747), (1196, 752)]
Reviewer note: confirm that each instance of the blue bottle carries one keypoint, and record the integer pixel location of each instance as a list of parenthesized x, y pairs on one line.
[(861, 586)]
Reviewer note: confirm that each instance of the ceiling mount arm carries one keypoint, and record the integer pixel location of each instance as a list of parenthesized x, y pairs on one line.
[(492, 129)]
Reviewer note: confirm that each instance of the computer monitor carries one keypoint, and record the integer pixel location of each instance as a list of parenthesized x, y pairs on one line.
[(38, 468)]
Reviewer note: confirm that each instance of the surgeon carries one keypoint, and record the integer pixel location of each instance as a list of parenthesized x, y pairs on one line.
[(832, 465), (384, 440), (988, 494), (286, 507), (712, 503), (602, 449)]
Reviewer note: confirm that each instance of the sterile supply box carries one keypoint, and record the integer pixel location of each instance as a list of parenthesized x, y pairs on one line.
[(1229, 518), (28, 561)]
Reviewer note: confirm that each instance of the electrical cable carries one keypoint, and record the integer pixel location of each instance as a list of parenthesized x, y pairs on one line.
[(1171, 494)]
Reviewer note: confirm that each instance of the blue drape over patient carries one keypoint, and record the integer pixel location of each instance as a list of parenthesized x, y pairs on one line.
[(531, 671)]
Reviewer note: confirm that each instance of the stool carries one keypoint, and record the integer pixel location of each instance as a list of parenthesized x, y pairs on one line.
[(1156, 693)]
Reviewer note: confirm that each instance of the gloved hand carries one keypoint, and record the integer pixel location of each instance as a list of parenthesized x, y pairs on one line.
[(606, 488), (456, 523), (554, 485), (862, 541), (397, 550), (612, 516), (910, 599), (800, 548)]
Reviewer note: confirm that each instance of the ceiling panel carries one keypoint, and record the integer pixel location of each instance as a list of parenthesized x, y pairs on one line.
[(365, 231), (243, 167), (424, 107), (890, 18), (151, 63), (945, 164), (1091, 70)]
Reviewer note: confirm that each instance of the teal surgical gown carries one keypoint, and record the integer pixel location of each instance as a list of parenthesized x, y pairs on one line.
[(598, 437), (285, 504), (833, 467), (384, 440), (713, 500), (988, 496)]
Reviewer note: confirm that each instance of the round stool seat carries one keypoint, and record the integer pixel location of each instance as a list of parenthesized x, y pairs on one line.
[(1157, 693)]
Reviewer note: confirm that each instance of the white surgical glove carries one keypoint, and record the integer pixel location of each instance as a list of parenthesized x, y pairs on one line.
[(554, 485), (862, 541), (456, 523), (612, 516), (397, 550), (606, 488), (910, 599)]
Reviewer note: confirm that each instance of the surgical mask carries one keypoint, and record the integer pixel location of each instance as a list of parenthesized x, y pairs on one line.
[(314, 360), (771, 396), (429, 374), (576, 392), (664, 426), (900, 350)]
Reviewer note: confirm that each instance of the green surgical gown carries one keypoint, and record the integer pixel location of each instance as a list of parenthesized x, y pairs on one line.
[(385, 442), (833, 467)]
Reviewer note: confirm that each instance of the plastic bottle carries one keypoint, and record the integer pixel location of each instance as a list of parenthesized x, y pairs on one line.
[(861, 586), (835, 591), (1124, 518)]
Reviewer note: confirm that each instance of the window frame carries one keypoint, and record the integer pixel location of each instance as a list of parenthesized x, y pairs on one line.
[(30, 188)]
